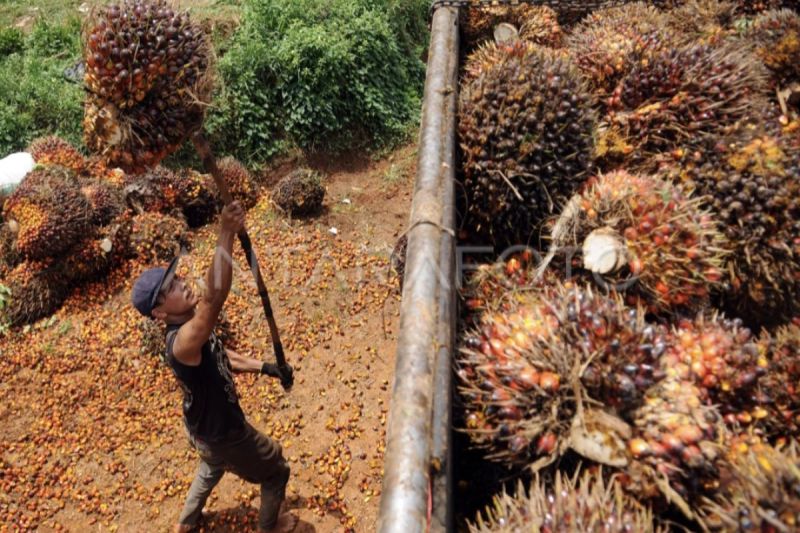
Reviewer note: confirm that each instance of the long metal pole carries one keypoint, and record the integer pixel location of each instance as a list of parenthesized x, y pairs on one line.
[(203, 148), (404, 504)]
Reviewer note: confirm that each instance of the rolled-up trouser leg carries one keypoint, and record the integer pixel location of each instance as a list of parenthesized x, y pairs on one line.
[(206, 478)]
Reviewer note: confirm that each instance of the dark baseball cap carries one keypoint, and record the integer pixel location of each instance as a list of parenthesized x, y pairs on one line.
[(148, 285)]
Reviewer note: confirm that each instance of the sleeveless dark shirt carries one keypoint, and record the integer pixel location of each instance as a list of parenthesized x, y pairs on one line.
[(211, 408)]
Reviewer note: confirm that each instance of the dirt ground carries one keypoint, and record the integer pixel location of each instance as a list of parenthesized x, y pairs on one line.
[(92, 438)]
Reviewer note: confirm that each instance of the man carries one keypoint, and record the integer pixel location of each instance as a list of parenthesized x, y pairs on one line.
[(214, 420)]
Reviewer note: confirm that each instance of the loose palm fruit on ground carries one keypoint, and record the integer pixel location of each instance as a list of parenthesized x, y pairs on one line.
[(300, 193), (776, 35), (608, 43), (147, 73), (723, 359), (760, 493), (95, 255), (646, 236), (157, 238), (675, 449), (105, 200), (587, 503), (53, 150), (527, 142), (527, 372), (240, 182), (49, 212), (779, 388), (38, 288), (749, 178), (682, 94)]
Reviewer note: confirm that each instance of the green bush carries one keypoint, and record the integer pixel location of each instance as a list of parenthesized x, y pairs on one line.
[(320, 74), (35, 98), (12, 40)]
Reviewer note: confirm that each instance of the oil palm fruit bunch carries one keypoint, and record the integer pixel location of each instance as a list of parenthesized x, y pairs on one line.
[(750, 7), (683, 95), (240, 182), (96, 254), (200, 201), (609, 42), (157, 237), (97, 168), (48, 212), (760, 493), (529, 373), (300, 193), (53, 150), (646, 227), (724, 360), (675, 450), (105, 200), (776, 35), (38, 288), (541, 23), (163, 190), (487, 54), (779, 388), (705, 21), (148, 82), (586, 503), (9, 255), (525, 127), (750, 178)]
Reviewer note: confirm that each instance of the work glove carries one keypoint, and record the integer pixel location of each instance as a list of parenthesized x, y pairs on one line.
[(285, 374)]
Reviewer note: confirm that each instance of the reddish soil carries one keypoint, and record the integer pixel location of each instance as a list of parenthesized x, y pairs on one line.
[(92, 435)]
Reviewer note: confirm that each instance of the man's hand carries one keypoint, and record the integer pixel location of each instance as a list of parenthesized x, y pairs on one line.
[(232, 219), (286, 373)]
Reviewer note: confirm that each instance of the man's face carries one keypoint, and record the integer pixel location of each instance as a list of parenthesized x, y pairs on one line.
[(175, 298)]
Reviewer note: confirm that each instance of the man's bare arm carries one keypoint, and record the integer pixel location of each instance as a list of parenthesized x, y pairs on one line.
[(242, 363)]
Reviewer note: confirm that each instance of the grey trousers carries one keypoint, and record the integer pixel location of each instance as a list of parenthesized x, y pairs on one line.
[(252, 456)]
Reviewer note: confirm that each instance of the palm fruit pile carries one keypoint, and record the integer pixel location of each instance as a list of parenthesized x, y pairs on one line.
[(526, 141), (761, 491), (9, 256), (538, 24), (147, 80), (659, 331), (37, 289), (608, 43), (157, 238), (680, 95), (300, 193), (240, 182), (776, 35), (589, 503), (104, 248), (646, 236), (530, 372), (48, 212)]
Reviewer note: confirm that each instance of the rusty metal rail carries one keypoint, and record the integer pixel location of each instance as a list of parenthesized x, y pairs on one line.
[(415, 495)]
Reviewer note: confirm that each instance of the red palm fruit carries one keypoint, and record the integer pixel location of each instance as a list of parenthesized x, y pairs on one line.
[(779, 388), (589, 503), (776, 35), (647, 227), (53, 150), (49, 211)]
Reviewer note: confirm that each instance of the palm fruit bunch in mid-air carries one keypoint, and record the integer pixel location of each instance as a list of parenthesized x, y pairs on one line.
[(300, 193), (776, 35), (608, 43), (157, 237), (760, 490), (240, 182), (724, 360), (37, 289), (552, 370), (525, 127), (678, 97), (750, 179), (647, 237), (538, 23), (47, 212), (147, 74), (779, 388), (675, 448), (585, 503)]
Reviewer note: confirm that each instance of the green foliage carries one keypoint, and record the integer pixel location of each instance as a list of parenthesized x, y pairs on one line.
[(12, 40), (35, 98), (320, 74)]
